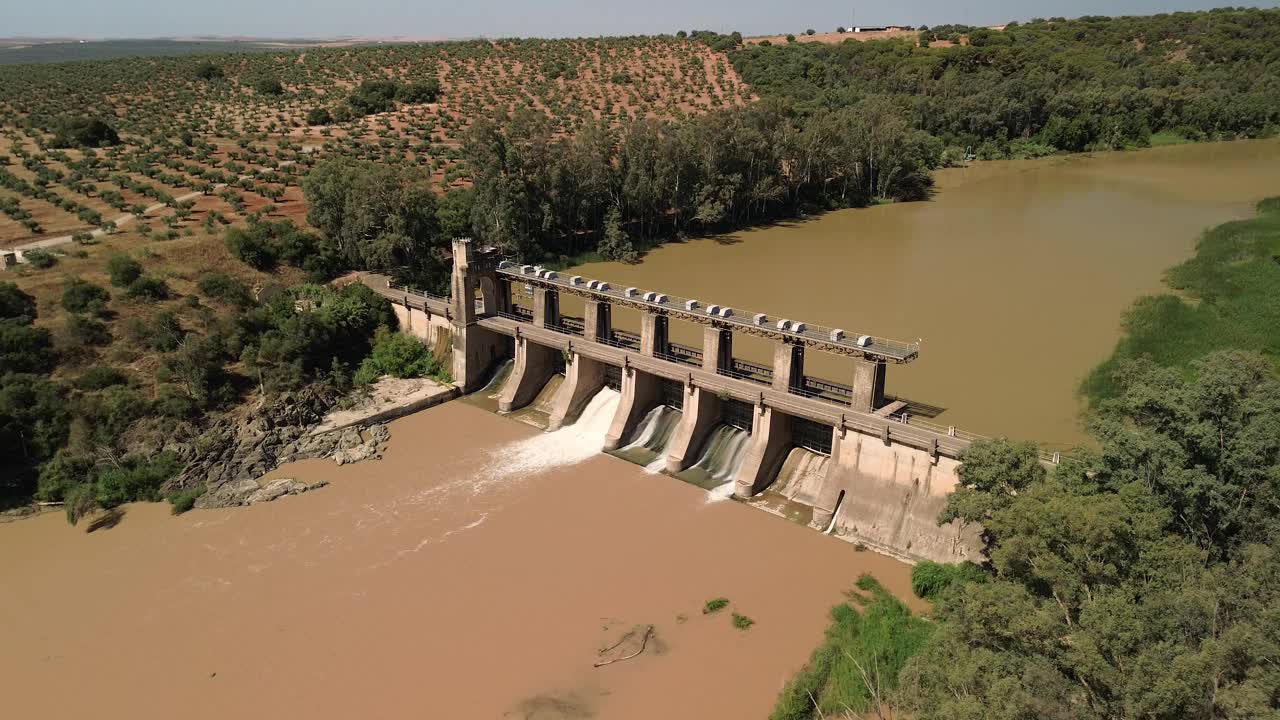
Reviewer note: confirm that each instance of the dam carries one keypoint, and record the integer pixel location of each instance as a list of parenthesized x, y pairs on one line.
[(845, 458)]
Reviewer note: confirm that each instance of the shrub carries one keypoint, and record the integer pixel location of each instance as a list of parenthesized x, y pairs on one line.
[(882, 637), (930, 579), (147, 288), (81, 331), (269, 86), (184, 501), (209, 71), (16, 304), (742, 622), (123, 270), (319, 116), (42, 259), (25, 349), (84, 132), (223, 287), (397, 355), (80, 296), (423, 91), (714, 605), (100, 377)]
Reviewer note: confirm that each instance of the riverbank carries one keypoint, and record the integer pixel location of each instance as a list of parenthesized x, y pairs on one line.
[(1228, 296), (431, 580)]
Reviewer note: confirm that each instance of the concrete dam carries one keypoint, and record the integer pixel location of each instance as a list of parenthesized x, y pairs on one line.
[(841, 457)]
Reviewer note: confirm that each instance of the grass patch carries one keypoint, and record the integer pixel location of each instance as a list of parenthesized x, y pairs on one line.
[(742, 622), (1169, 137), (1229, 297), (930, 579), (714, 605), (870, 638)]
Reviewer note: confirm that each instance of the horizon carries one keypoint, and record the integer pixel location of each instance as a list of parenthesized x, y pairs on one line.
[(389, 20)]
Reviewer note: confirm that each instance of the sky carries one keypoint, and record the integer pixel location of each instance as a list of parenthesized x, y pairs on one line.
[(434, 19)]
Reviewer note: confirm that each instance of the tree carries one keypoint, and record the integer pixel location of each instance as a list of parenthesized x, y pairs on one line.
[(80, 296), (268, 86), (376, 217), (123, 270), (319, 116), (208, 71), (84, 132), (16, 305)]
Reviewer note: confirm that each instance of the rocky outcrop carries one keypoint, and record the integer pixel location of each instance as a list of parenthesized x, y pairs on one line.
[(229, 457)]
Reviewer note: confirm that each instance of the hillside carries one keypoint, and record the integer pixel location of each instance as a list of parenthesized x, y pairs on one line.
[(188, 126)]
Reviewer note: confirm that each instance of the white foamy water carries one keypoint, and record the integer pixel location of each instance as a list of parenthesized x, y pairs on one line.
[(724, 453), (569, 445)]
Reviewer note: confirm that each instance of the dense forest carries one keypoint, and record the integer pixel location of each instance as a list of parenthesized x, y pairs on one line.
[(1050, 85)]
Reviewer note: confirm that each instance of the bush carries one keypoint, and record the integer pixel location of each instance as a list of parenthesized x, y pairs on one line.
[(82, 331), (16, 304), (930, 579), (123, 270), (84, 132), (42, 259), (185, 500), (397, 355), (881, 637), (209, 71), (147, 288), (319, 116), (100, 377), (25, 349), (742, 622), (223, 287), (80, 296), (423, 91), (268, 86)]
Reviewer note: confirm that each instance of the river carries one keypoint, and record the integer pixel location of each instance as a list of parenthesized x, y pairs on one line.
[(473, 572), (1016, 274)]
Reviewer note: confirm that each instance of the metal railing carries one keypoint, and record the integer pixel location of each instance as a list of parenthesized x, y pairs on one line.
[(820, 386), (673, 304), (681, 359), (751, 368), (684, 352), (624, 336), (574, 324), (740, 376), (905, 418), (420, 293)]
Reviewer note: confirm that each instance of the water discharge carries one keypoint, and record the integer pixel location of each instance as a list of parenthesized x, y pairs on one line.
[(569, 445), (721, 457), (652, 435)]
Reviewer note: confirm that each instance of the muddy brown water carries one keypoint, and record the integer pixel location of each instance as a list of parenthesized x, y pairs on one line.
[(428, 584), (1016, 274)]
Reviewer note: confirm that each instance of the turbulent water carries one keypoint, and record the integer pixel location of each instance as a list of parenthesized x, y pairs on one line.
[(722, 455), (569, 445), (651, 437)]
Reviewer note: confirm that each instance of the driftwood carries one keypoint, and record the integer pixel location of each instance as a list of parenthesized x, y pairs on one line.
[(644, 641)]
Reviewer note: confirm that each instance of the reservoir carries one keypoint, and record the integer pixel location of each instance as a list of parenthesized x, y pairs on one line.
[(1016, 274)]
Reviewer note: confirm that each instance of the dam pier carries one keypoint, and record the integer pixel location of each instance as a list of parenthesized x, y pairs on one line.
[(839, 455)]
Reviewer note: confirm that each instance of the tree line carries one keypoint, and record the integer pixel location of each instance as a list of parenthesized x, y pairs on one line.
[(1064, 85)]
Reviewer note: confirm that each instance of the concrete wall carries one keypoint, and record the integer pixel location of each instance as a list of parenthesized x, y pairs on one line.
[(420, 324), (892, 497), (583, 378), (641, 392), (700, 415), (770, 441), (534, 366)]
